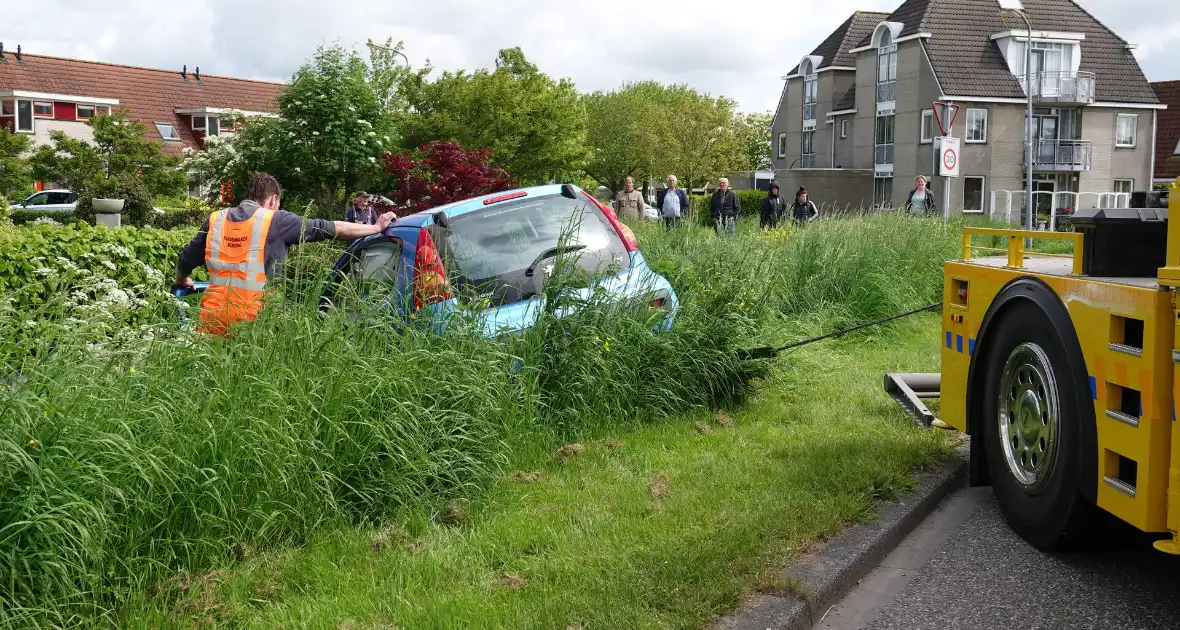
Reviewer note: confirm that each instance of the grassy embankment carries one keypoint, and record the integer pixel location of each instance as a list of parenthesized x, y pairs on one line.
[(250, 482)]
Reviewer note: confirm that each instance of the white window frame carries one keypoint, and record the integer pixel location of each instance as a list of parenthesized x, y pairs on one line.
[(782, 145), (967, 132), (37, 104), (844, 130), (78, 111), (1130, 188), (808, 135), (102, 110), (16, 117), (200, 127), (171, 127), (10, 104), (982, 194), (879, 201), (926, 123), (1134, 118)]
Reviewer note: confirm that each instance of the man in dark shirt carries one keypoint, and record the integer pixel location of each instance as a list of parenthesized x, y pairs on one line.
[(286, 229), (724, 208)]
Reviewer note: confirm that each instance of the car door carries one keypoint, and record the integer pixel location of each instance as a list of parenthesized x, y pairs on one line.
[(369, 278)]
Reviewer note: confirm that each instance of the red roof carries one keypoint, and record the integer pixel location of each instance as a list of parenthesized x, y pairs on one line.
[(150, 95), (1167, 137)]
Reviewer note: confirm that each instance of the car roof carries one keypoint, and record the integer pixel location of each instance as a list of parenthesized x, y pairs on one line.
[(459, 208), (52, 190)]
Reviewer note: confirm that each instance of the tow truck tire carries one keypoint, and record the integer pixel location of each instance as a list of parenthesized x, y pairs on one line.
[(1034, 409)]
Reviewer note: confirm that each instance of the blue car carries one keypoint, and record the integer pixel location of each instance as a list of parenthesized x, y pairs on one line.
[(494, 253)]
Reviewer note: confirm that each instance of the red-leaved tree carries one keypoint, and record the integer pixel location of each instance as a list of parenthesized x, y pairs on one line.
[(440, 173)]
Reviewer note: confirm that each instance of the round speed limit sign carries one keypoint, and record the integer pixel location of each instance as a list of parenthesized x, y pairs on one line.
[(950, 159)]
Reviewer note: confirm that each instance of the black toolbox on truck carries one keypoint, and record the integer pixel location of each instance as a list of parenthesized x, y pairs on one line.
[(1123, 242)]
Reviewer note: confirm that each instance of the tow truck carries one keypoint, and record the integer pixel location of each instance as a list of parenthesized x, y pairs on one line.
[(1060, 367)]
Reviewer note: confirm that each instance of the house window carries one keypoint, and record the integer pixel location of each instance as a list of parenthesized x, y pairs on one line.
[(808, 159), (102, 110), (1125, 130), (976, 125), (227, 124), (167, 132), (1124, 186), (42, 109), (883, 192), (927, 130), (213, 127), (198, 123), (85, 112), (887, 69), (1177, 152), (24, 116), (810, 95), (883, 153), (7, 108), (844, 128), (782, 145), (973, 194), (194, 186)]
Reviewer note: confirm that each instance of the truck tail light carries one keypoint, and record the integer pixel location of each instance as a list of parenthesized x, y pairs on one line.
[(430, 276)]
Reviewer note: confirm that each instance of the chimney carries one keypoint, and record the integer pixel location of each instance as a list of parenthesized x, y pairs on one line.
[(18, 59), (3, 59), (197, 74), (184, 72)]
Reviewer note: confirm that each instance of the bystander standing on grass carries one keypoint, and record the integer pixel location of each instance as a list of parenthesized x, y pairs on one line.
[(724, 208), (803, 209), (672, 203)]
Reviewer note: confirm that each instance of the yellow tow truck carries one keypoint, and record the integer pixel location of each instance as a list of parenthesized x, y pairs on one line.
[(1060, 368)]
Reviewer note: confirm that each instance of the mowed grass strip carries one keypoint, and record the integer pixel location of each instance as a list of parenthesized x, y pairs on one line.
[(662, 526)]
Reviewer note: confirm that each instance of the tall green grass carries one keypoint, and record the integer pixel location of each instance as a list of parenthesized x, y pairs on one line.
[(122, 467)]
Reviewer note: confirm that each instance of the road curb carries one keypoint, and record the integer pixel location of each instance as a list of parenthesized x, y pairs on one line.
[(821, 579)]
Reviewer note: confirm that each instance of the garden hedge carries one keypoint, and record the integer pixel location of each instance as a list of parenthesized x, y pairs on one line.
[(34, 256)]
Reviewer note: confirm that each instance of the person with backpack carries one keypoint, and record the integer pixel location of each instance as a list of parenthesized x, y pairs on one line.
[(772, 208), (803, 210)]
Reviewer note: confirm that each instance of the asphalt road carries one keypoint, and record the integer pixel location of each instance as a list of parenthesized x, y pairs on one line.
[(964, 568)]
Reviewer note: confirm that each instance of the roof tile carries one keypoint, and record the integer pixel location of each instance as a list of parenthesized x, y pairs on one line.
[(1167, 137)]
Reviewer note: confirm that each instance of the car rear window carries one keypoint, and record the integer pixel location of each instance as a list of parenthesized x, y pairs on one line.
[(496, 245)]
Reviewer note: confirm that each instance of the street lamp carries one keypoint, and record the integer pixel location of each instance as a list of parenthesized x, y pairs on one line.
[(395, 51), (1014, 6)]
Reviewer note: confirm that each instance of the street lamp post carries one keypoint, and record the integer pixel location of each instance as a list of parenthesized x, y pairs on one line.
[(1014, 6)]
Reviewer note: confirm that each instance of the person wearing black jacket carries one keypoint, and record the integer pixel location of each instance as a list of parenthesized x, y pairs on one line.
[(724, 208), (921, 199), (772, 208), (803, 210)]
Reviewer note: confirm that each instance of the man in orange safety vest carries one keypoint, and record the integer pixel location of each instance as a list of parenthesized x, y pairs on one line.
[(243, 246)]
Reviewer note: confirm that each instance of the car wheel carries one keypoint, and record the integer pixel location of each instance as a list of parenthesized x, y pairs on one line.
[(1033, 410)]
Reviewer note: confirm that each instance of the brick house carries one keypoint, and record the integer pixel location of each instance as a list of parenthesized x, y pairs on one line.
[(1167, 136), (855, 121), (178, 108)]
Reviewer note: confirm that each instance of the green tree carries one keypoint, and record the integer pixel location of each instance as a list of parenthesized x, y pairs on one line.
[(330, 133), (15, 172), (535, 125), (119, 163), (623, 132), (700, 142), (753, 133)]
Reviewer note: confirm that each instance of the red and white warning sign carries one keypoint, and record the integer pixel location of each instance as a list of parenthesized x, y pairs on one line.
[(948, 157)]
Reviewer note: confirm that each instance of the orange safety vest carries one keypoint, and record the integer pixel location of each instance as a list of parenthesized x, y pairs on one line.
[(235, 253)]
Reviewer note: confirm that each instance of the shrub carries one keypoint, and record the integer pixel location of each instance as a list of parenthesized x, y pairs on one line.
[(38, 261), (189, 212), (23, 216), (751, 201)]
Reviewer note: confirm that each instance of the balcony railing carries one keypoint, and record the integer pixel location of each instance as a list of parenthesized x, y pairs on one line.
[(887, 92), (1062, 87), (807, 160), (1066, 156), (883, 154)]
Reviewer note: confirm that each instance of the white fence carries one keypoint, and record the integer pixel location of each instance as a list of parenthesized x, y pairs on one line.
[(1003, 201)]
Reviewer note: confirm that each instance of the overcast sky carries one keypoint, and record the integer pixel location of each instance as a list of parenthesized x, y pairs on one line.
[(738, 48)]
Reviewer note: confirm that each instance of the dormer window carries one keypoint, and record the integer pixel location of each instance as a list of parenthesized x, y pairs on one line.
[(1055, 59)]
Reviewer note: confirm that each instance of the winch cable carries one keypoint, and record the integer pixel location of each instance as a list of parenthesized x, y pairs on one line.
[(766, 352)]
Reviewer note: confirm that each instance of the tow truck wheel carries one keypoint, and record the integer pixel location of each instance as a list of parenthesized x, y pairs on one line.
[(1033, 410)]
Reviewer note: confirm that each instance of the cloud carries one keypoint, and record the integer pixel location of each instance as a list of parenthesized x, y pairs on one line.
[(738, 48)]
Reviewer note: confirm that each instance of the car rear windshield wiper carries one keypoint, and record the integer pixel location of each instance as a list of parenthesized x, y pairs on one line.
[(550, 253)]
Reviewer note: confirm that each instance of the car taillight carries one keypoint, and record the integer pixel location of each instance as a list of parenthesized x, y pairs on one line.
[(657, 303), (629, 241), (430, 276)]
